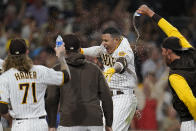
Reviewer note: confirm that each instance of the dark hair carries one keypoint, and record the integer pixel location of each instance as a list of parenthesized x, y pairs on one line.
[(72, 43), (112, 31)]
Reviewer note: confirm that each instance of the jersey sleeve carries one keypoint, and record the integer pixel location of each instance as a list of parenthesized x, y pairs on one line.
[(184, 92), (172, 31), (127, 54), (94, 51), (4, 91), (52, 77)]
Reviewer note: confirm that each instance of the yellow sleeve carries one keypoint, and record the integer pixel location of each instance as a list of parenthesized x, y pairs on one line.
[(184, 92), (172, 31)]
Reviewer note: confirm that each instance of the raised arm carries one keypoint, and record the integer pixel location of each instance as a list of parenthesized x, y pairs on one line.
[(94, 51), (164, 25), (60, 53)]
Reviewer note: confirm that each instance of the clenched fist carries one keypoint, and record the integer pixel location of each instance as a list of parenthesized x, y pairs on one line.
[(145, 10), (60, 51), (108, 73)]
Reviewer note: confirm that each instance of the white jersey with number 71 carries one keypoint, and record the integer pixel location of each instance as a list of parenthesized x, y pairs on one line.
[(25, 91)]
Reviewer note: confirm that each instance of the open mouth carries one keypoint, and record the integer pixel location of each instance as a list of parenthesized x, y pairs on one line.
[(106, 47)]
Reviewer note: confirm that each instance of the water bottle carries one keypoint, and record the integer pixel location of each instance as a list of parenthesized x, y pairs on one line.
[(59, 41), (137, 14)]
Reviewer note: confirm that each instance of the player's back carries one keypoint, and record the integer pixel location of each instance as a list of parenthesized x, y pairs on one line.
[(26, 91)]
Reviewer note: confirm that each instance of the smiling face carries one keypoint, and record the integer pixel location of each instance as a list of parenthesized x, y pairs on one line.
[(109, 42)]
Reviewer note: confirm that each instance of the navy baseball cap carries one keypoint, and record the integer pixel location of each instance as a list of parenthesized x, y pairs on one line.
[(173, 43), (17, 47)]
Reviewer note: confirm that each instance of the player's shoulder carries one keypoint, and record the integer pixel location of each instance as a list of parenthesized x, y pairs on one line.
[(5, 75), (1, 63), (92, 66), (124, 48), (124, 45), (39, 68), (12, 70)]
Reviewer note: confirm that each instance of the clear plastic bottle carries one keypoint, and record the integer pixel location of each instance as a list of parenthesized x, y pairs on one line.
[(137, 14), (59, 41)]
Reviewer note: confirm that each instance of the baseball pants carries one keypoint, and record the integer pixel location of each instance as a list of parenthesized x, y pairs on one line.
[(124, 110), (80, 128), (30, 125), (188, 126), (1, 127)]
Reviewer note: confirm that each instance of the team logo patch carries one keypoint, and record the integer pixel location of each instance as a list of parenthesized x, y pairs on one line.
[(122, 53)]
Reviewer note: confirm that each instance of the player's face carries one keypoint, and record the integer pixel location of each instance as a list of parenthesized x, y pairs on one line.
[(166, 56), (109, 42)]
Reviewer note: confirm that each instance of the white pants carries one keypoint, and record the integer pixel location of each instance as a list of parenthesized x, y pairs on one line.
[(1, 127), (188, 126), (124, 110), (80, 128), (30, 125)]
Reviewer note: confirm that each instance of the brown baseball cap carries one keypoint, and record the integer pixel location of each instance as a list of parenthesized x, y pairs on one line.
[(17, 47), (72, 42)]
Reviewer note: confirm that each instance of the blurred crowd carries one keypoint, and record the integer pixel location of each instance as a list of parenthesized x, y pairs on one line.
[(40, 21)]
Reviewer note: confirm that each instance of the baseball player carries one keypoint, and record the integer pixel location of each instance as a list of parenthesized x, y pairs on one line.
[(179, 56), (23, 85), (1, 127), (1, 63), (79, 102), (118, 60)]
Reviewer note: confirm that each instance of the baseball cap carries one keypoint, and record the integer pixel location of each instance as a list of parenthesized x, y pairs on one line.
[(173, 43), (17, 47), (72, 42)]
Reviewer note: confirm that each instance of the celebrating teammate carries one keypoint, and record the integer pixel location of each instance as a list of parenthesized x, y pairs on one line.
[(118, 60), (80, 108), (23, 85), (1, 63), (179, 55)]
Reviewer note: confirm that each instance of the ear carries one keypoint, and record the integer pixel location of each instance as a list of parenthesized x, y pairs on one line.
[(27, 51), (116, 39), (170, 51)]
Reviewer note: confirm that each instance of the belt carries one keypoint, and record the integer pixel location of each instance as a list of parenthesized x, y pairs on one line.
[(118, 92), (41, 117)]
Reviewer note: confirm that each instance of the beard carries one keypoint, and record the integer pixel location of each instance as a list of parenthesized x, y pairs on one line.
[(167, 61)]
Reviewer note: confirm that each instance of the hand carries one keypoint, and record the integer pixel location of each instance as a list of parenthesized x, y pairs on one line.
[(107, 128), (108, 73), (60, 51), (51, 129), (138, 114), (8, 118), (145, 10)]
